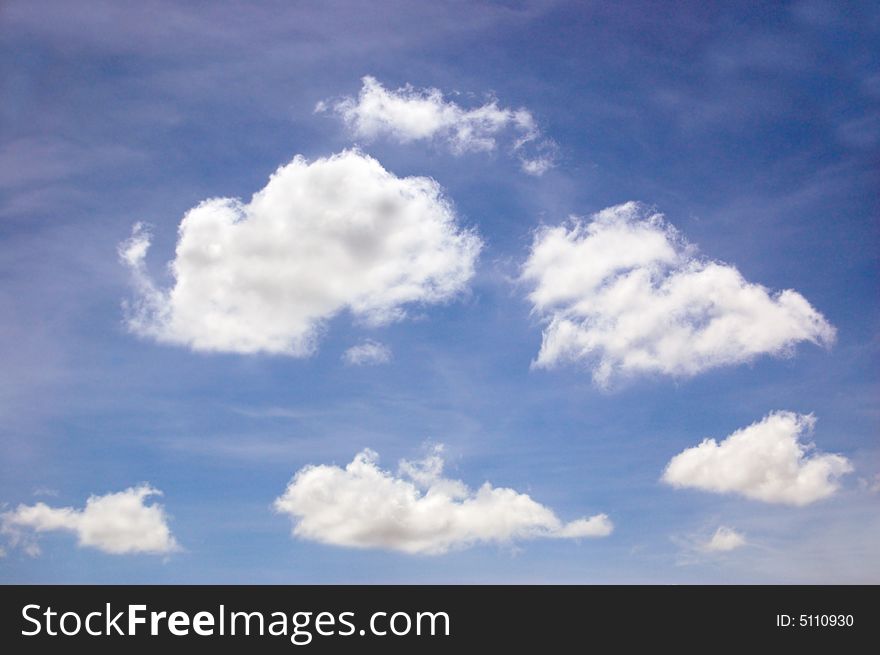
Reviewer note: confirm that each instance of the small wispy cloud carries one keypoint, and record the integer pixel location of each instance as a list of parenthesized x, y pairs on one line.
[(871, 485), (366, 353), (410, 114), (706, 545), (724, 540)]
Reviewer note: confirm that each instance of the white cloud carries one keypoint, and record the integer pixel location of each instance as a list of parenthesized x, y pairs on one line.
[(702, 546), (724, 540), (765, 461), (416, 511), (410, 114), (339, 233), (366, 353), (625, 293), (117, 523)]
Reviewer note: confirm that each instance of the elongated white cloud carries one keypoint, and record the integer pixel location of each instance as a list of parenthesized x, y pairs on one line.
[(408, 114), (765, 461), (366, 353), (628, 295), (322, 237), (724, 540), (117, 523), (417, 510)]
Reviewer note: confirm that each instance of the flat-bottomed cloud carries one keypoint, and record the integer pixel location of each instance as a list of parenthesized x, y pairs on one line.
[(417, 510), (339, 233), (724, 540), (765, 461), (116, 523), (626, 294), (367, 353)]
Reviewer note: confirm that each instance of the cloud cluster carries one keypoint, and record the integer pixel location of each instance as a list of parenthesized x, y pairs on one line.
[(626, 293), (339, 233), (417, 510), (367, 353), (724, 540), (408, 114), (765, 461), (117, 523)]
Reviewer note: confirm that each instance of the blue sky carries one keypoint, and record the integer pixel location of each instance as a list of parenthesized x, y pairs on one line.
[(754, 129)]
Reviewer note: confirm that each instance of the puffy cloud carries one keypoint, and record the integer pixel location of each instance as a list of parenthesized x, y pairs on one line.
[(339, 233), (724, 540), (410, 114), (626, 293), (765, 461), (417, 510), (117, 523), (367, 352)]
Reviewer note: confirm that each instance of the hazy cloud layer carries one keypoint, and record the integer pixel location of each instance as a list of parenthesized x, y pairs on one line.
[(117, 523), (409, 114), (624, 293), (322, 237), (417, 510), (765, 461)]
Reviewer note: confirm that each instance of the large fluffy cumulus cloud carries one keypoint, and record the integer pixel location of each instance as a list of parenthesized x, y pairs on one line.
[(410, 114), (765, 461), (626, 293), (417, 510), (116, 523), (338, 233)]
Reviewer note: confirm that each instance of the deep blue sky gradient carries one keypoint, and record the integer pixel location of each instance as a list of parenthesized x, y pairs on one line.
[(754, 127)]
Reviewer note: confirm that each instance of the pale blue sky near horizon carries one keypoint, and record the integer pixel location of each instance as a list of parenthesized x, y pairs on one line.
[(753, 127)]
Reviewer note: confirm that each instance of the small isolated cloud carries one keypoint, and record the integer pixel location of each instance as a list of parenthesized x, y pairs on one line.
[(417, 510), (366, 353), (117, 523), (45, 491), (336, 234), (765, 461), (871, 485), (724, 540), (410, 114), (625, 293), (702, 546)]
